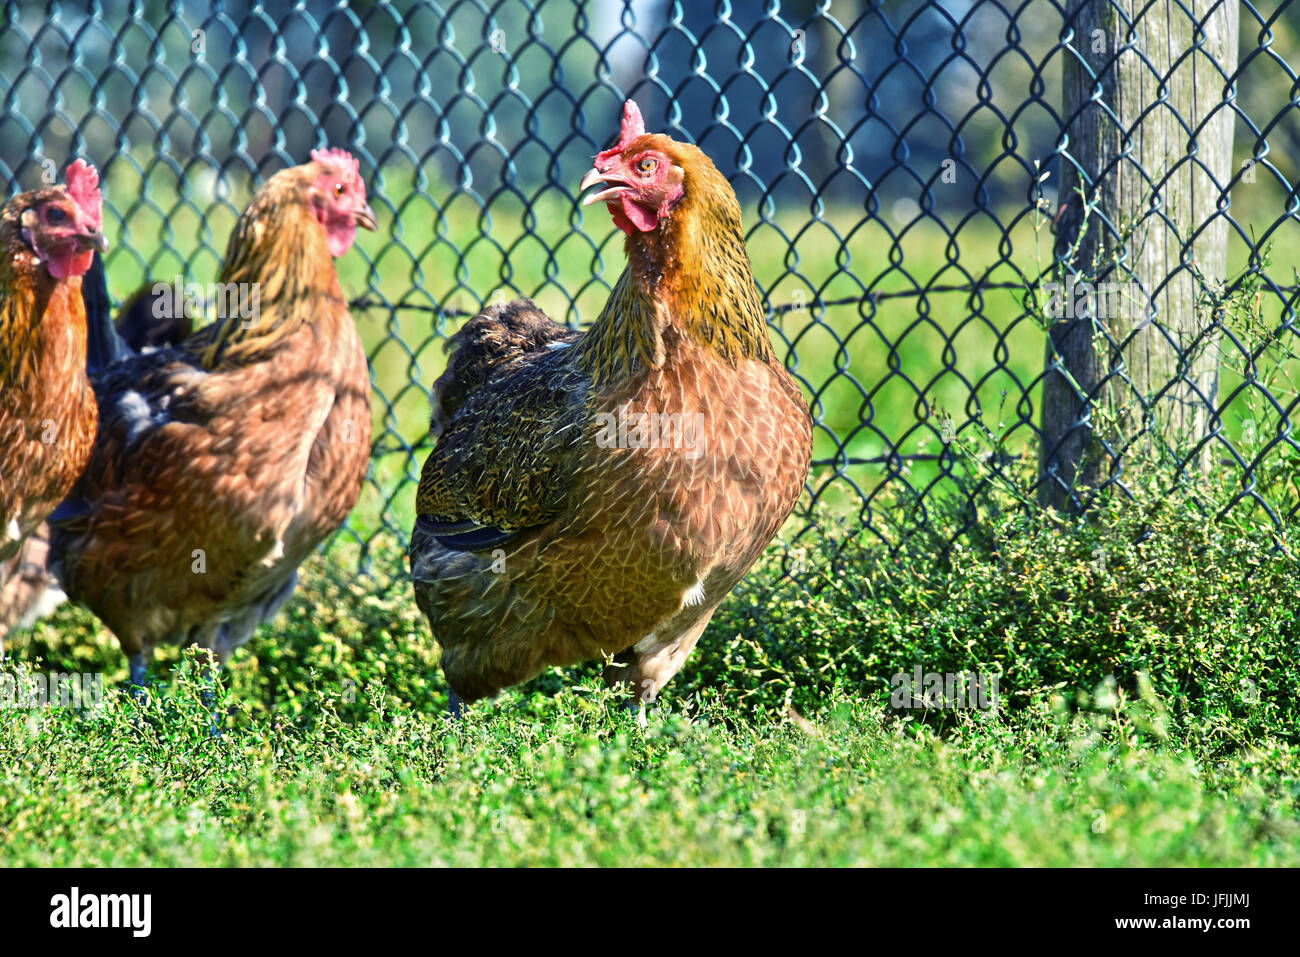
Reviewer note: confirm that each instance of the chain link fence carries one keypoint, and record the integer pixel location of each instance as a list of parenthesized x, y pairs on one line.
[(915, 179)]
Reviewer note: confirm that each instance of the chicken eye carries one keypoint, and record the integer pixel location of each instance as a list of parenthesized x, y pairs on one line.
[(646, 164), (339, 189), (55, 215)]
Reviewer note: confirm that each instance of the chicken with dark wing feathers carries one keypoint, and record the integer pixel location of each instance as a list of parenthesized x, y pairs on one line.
[(223, 462), (597, 494)]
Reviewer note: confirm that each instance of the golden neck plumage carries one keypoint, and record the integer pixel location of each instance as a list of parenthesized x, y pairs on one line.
[(278, 258), (691, 275), (26, 294), (19, 321)]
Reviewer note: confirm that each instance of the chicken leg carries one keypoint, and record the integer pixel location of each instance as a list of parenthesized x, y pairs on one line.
[(651, 663)]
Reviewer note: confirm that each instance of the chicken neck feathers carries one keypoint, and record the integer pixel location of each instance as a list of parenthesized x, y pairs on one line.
[(278, 248)]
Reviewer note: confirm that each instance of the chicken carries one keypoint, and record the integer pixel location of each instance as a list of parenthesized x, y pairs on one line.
[(32, 592), (221, 463), (595, 495), (47, 408)]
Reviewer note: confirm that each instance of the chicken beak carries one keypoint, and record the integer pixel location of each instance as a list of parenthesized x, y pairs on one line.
[(595, 176), (365, 218), (94, 239)]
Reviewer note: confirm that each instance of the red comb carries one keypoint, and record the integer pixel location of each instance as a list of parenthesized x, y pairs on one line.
[(338, 157), (633, 126), (83, 187)]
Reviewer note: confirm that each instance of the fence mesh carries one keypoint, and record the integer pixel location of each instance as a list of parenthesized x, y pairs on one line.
[(904, 170)]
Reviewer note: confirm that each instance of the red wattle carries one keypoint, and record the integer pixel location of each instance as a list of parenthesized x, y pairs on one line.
[(69, 264), (340, 236), (639, 216), (621, 221)]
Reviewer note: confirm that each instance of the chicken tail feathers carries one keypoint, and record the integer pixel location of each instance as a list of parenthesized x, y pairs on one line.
[(104, 347)]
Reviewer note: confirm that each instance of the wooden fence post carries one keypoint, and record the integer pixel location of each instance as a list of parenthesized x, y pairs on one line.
[(1149, 147)]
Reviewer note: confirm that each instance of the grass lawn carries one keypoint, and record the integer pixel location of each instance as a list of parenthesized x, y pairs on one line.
[(1147, 715)]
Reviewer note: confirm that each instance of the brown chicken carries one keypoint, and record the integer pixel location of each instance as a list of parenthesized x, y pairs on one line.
[(31, 591), (47, 408), (220, 464), (598, 494)]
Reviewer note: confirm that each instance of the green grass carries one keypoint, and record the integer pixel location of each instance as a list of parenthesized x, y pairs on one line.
[(1147, 717), (574, 783)]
